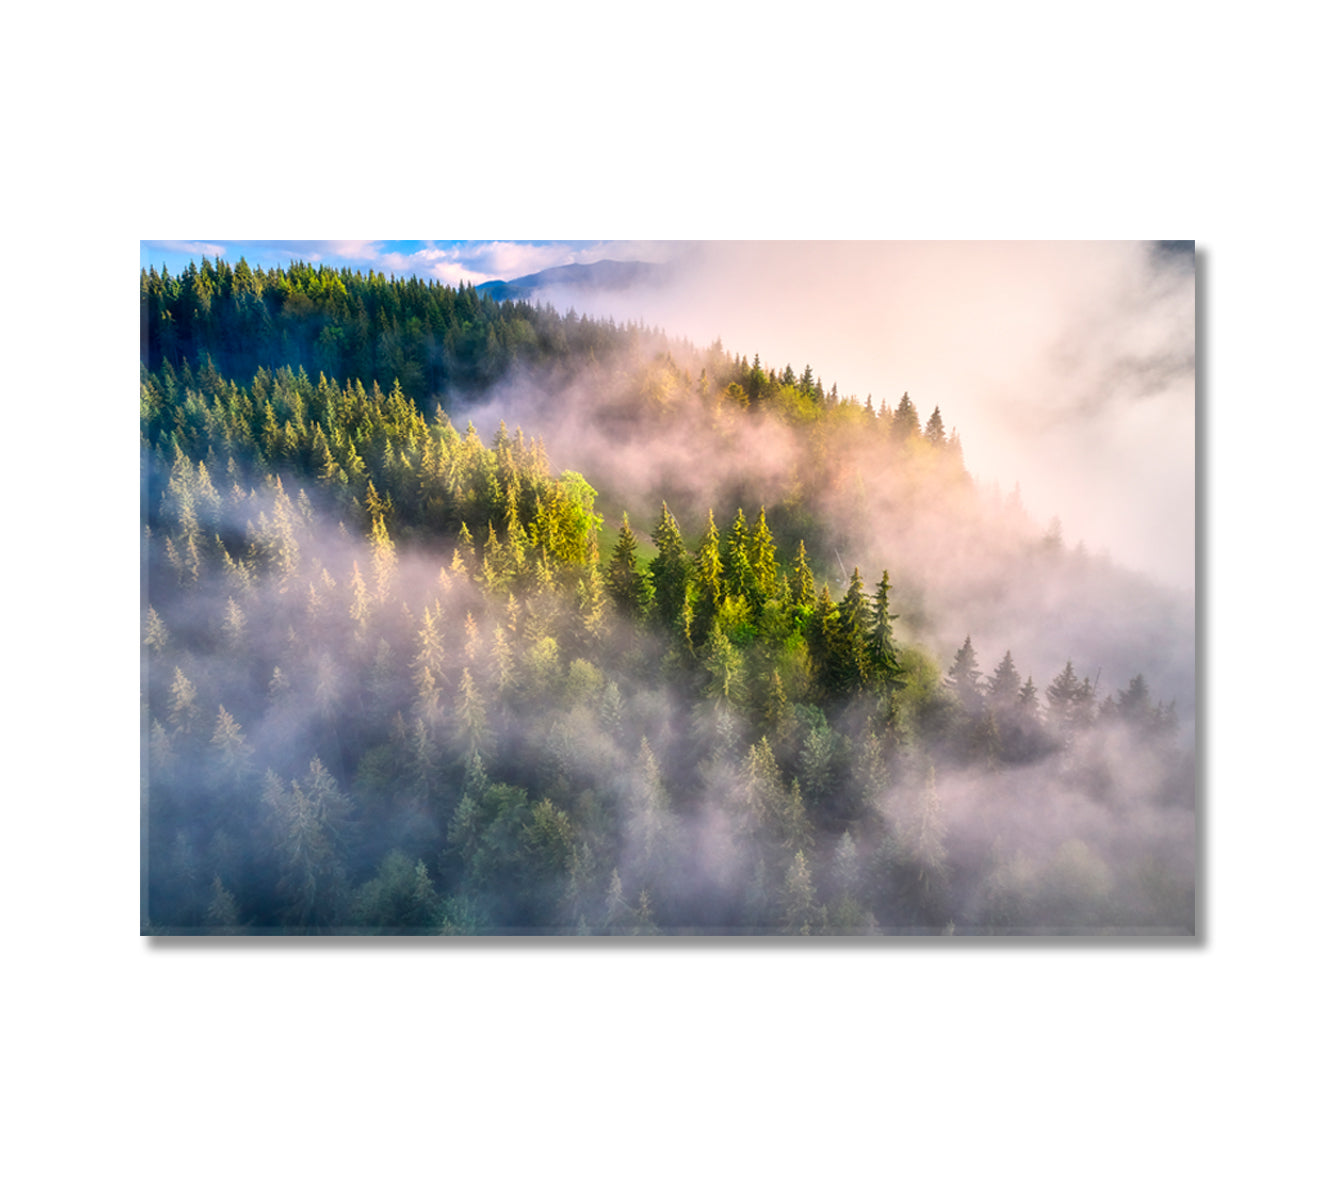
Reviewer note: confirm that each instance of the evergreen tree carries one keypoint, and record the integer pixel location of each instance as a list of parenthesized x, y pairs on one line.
[(964, 678), (880, 645), (1133, 705), (472, 728), (626, 583), (935, 429), (670, 570), (803, 586), (155, 631), (1003, 686), (708, 579), (1069, 702), (763, 559), (182, 711), (739, 579), (922, 866), (905, 426), (799, 914), (222, 914)]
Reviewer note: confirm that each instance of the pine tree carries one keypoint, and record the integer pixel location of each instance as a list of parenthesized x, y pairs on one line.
[(1003, 686), (155, 631), (230, 753), (233, 626), (1133, 705), (182, 709), (880, 645), (670, 570), (650, 823), (617, 916), (222, 914), (803, 587), (626, 583), (472, 728), (964, 679), (1069, 702), (905, 426), (708, 580), (847, 662), (763, 559), (922, 866), (384, 559), (723, 668), (427, 669), (739, 579), (799, 915), (935, 429)]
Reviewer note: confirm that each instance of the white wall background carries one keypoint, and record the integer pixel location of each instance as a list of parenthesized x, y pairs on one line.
[(722, 1069)]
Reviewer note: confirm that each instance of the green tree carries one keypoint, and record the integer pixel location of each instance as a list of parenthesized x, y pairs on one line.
[(669, 570), (399, 899), (803, 586), (472, 726), (626, 583), (763, 558), (708, 580), (739, 578), (880, 644), (964, 679)]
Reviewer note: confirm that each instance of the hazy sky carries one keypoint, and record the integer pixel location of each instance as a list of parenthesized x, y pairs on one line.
[(1068, 368)]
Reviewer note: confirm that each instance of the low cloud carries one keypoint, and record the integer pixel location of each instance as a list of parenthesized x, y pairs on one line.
[(198, 249), (1068, 368)]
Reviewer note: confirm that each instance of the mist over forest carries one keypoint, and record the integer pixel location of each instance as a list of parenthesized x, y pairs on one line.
[(466, 616)]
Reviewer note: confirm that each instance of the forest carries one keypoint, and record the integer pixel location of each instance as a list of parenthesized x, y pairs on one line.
[(471, 617)]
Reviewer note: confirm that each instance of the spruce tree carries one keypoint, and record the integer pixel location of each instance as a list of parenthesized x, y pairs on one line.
[(762, 557), (670, 571), (739, 579), (1003, 686), (964, 679), (708, 580), (626, 583), (803, 585), (905, 426), (880, 645), (935, 429)]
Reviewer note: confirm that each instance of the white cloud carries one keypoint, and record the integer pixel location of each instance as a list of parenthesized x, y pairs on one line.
[(1067, 367), (197, 249)]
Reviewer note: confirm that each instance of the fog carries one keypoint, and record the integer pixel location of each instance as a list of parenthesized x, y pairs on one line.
[(1068, 368), (965, 560), (427, 732), (671, 791)]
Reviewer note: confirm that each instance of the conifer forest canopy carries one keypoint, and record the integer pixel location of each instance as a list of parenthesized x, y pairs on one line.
[(465, 615)]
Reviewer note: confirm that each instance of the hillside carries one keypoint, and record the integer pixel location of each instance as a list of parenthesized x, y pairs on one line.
[(463, 616)]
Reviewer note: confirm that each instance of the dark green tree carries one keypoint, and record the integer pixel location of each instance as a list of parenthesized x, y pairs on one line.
[(880, 643), (627, 585), (670, 571)]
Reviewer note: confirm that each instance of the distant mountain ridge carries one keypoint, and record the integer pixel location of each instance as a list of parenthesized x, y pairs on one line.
[(605, 275)]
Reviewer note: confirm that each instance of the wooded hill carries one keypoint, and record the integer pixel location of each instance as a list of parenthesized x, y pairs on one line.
[(401, 679)]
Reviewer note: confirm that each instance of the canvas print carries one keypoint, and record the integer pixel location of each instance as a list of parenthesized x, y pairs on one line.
[(664, 588)]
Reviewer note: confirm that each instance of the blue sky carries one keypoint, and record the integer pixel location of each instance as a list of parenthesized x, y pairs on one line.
[(445, 261)]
